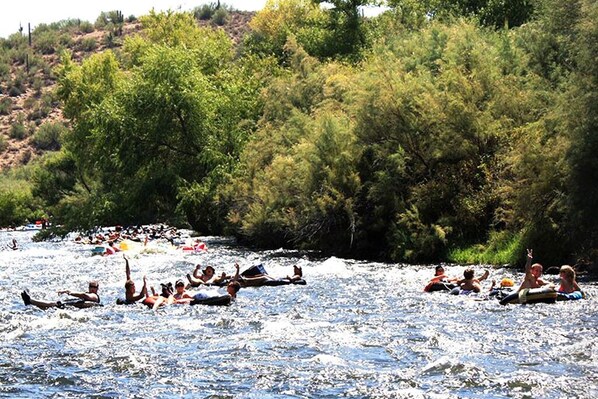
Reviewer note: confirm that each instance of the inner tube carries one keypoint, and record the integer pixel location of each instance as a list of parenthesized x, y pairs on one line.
[(531, 295), (78, 303), (255, 270), (460, 291), (499, 293), (439, 286), (573, 296), (201, 298), (98, 250), (282, 281), (123, 301)]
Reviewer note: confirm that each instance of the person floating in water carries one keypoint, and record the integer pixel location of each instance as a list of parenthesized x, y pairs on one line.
[(130, 296), (206, 276), (533, 274), (180, 293), (84, 299), (568, 288), (256, 276), (469, 284), (13, 245)]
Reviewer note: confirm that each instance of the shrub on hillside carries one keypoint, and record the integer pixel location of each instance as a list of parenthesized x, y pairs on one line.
[(87, 44), (38, 85), (5, 106), (3, 143), (25, 157), (220, 16), (18, 55), (4, 69), (101, 20), (48, 136), (204, 12), (86, 27), (16, 40), (14, 91), (46, 42), (131, 18), (18, 131)]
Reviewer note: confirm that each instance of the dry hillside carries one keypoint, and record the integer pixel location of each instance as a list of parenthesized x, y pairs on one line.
[(23, 111)]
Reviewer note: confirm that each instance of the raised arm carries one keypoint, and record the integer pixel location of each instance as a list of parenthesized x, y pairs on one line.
[(237, 276), (86, 296), (528, 263), (127, 268)]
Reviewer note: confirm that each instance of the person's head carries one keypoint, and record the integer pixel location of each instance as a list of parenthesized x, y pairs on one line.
[(439, 271), (130, 286), (179, 286), (209, 271), (297, 271), (232, 288), (567, 273), (94, 286), (468, 274), (537, 270), (167, 289)]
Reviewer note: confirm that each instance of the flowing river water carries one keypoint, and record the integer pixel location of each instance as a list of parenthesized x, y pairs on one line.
[(356, 330)]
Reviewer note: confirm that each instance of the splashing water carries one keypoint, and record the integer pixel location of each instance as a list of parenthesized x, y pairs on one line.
[(357, 329)]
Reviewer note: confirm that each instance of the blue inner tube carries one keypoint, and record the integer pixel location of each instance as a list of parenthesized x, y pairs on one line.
[(573, 296)]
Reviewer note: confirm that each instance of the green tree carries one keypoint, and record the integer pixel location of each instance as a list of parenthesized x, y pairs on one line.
[(492, 13)]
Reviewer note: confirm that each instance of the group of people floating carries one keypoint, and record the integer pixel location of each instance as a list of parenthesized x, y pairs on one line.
[(567, 288), (177, 294), (257, 276)]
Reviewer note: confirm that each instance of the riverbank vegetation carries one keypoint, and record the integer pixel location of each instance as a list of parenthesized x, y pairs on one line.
[(433, 131)]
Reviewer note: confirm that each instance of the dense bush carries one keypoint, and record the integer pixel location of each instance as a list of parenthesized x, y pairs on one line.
[(46, 41), (49, 135), (18, 131), (86, 27), (204, 12), (17, 204), (5, 106), (87, 44), (220, 16)]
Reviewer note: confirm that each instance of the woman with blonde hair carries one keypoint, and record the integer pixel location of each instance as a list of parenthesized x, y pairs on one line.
[(568, 283)]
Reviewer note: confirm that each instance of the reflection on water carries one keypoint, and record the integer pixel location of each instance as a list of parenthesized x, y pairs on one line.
[(357, 329)]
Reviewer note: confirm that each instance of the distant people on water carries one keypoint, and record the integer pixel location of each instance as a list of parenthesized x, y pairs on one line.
[(84, 299)]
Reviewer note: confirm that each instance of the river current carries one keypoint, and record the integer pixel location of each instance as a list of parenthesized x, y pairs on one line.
[(356, 330)]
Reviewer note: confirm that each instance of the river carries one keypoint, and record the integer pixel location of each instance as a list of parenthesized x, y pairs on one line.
[(356, 330)]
